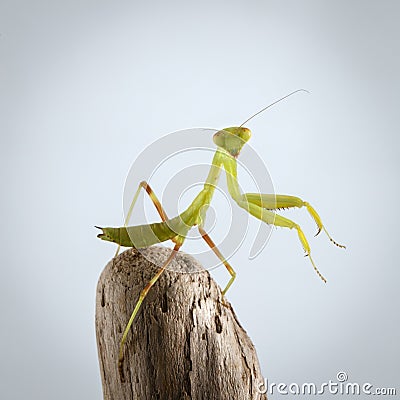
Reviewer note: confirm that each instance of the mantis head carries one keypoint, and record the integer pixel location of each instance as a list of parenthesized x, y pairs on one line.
[(232, 139)]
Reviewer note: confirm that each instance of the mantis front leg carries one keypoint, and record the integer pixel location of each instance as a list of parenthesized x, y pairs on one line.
[(260, 206), (272, 218), (279, 201)]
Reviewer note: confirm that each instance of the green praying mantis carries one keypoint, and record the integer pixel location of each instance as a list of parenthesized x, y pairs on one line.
[(229, 142)]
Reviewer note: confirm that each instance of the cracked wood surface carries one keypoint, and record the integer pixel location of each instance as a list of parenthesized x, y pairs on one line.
[(184, 343)]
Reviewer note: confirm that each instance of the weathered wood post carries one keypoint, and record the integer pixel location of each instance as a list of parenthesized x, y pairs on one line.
[(186, 343)]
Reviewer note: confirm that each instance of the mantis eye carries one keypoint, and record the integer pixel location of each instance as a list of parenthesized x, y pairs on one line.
[(219, 138)]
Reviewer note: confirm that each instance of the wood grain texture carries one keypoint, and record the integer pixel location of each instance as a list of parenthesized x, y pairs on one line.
[(186, 342)]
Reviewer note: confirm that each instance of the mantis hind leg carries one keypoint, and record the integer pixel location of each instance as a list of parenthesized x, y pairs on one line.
[(280, 201), (215, 249), (142, 296), (153, 198), (272, 218)]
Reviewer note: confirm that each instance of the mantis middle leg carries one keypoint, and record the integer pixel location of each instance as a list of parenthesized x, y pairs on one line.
[(215, 249)]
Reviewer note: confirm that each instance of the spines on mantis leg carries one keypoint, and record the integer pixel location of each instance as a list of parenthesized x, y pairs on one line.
[(140, 236)]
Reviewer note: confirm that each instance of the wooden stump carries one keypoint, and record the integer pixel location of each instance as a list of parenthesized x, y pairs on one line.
[(186, 341)]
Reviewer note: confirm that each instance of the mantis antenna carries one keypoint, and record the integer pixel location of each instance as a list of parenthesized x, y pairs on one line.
[(270, 105)]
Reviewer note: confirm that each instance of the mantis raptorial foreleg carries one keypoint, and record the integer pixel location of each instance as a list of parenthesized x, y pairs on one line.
[(215, 249), (272, 218), (278, 201), (153, 198), (142, 296)]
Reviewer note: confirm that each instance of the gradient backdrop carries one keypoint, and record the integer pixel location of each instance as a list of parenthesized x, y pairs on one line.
[(85, 86)]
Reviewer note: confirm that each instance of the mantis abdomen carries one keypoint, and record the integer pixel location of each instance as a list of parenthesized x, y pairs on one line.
[(140, 236)]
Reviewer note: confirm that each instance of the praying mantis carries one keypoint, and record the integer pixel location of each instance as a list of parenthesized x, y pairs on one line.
[(229, 142)]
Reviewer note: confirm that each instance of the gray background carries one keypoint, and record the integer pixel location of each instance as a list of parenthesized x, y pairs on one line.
[(87, 85)]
